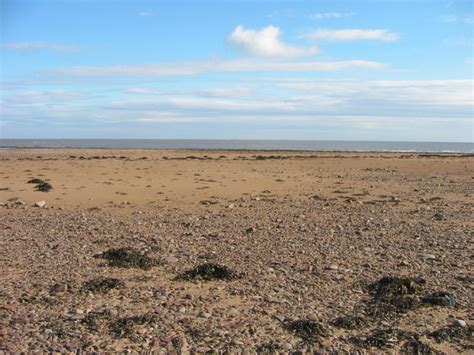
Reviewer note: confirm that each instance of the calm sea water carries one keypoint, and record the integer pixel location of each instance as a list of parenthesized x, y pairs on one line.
[(361, 146)]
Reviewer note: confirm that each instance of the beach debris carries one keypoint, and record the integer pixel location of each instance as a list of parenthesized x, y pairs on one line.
[(452, 333), (417, 347), (127, 258), (389, 307), (16, 202), (439, 299), (208, 202), (44, 187), (306, 329), (98, 320), (102, 285), (35, 181), (40, 204), (350, 322), (396, 286), (208, 272), (383, 338), (58, 288), (125, 327), (393, 295)]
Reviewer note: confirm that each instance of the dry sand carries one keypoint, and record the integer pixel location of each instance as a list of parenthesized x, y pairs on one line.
[(306, 234)]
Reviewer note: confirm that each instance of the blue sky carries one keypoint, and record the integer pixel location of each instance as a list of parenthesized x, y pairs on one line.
[(336, 70)]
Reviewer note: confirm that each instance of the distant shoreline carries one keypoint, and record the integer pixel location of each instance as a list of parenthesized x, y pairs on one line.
[(268, 153), (243, 145)]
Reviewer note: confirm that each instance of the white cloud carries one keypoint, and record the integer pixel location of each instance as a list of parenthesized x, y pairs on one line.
[(216, 66), (353, 35), (330, 15), (145, 13), (40, 45), (456, 19), (432, 109), (449, 18), (266, 42)]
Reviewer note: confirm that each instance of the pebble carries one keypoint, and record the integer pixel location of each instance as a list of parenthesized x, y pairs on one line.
[(459, 323), (279, 317), (40, 204), (287, 346), (427, 256), (332, 267)]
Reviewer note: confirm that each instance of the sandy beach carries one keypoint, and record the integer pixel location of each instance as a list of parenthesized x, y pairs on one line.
[(212, 251)]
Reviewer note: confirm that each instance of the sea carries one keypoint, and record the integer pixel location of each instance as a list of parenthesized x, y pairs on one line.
[(216, 144)]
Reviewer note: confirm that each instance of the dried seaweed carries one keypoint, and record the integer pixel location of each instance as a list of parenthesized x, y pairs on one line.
[(384, 338), (440, 298), (308, 330), (125, 327), (453, 334), (208, 272), (44, 187), (128, 258), (396, 286), (102, 285), (351, 322)]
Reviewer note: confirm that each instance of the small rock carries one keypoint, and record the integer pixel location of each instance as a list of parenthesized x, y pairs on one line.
[(333, 267), (237, 342), (287, 346), (459, 323), (40, 204), (427, 256), (279, 317), (231, 206), (171, 259)]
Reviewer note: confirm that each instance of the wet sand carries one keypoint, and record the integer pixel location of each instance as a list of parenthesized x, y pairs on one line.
[(306, 233)]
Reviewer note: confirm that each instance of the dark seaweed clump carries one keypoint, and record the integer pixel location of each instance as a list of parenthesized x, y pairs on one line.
[(128, 258), (96, 321), (385, 308), (102, 285), (125, 327), (35, 181), (392, 295), (439, 299), (396, 286), (453, 334), (416, 347), (350, 322), (44, 187), (306, 329), (384, 338), (40, 185), (208, 272)]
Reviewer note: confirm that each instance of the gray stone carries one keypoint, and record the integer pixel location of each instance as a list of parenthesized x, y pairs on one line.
[(459, 323)]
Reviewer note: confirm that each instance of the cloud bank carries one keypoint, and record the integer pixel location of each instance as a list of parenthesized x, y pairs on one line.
[(267, 42), (39, 45), (330, 15), (353, 35)]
